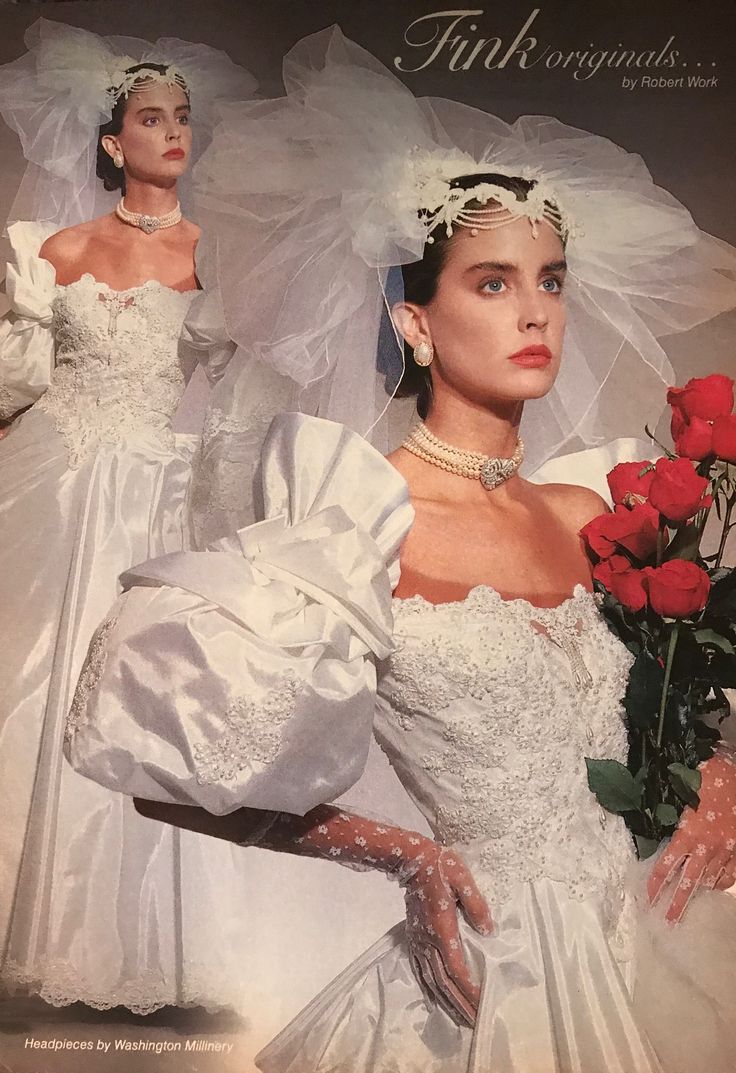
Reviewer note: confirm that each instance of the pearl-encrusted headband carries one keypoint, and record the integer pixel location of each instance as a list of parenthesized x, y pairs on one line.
[(538, 205), (125, 81), (443, 201)]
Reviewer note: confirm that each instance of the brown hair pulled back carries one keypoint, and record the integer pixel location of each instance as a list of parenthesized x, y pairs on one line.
[(421, 279), (114, 178)]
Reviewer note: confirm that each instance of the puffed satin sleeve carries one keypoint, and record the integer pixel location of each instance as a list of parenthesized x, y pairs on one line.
[(244, 675), (204, 339), (26, 332)]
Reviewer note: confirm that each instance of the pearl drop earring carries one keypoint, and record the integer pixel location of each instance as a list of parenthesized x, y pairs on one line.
[(423, 354)]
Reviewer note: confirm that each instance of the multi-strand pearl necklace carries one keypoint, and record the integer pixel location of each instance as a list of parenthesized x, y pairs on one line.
[(147, 224), (491, 472)]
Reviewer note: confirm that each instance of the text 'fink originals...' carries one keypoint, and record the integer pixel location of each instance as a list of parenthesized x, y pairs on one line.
[(453, 38)]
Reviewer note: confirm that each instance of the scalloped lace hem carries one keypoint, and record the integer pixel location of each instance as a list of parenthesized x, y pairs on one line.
[(58, 985)]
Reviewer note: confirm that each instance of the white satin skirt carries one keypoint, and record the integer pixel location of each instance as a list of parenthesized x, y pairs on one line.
[(97, 904), (556, 997)]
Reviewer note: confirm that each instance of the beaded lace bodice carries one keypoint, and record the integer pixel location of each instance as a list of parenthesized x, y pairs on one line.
[(118, 373), (488, 710)]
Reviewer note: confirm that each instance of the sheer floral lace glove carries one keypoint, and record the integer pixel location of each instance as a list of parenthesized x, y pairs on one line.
[(435, 880), (702, 852)]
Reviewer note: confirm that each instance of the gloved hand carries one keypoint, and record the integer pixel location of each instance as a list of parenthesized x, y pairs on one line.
[(702, 850), (435, 880)]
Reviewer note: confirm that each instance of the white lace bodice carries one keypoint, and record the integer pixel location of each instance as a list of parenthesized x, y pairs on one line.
[(118, 372), (488, 729)]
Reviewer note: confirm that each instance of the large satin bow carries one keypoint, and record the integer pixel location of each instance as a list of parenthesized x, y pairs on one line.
[(324, 565)]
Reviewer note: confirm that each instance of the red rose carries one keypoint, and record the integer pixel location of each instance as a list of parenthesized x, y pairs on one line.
[(724, 437), (678, 424), (708, 397), (695, 439), (677, 588), (635, 530), (623, 582), (634, 477), (599, 535), (676, 490)]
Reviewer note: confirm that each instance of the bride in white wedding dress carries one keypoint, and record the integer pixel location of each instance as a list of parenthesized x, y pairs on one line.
[(95, 902), (434, 598)]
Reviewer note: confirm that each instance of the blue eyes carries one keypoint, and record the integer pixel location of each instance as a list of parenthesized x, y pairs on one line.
[(551, 285), (151, 120)]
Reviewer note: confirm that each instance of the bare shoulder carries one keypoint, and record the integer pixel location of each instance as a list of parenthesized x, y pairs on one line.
[(398, 459), (67, 246), (192, 231), (573, 503)]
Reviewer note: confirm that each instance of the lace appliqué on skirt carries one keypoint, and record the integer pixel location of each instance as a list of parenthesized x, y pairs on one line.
[(60, 984), (256, 727), (7, 402), (92, 670)]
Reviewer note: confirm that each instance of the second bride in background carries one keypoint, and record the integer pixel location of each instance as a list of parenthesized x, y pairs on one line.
[(96, 903)]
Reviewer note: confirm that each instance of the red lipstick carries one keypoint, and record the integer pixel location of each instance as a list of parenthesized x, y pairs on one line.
[(532, 357), (174, 154)]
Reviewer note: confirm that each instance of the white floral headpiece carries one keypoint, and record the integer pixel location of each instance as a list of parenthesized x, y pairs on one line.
[(124, 81), (441, 202)]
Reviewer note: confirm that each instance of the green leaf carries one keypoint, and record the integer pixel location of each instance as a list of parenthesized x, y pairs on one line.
[(677, 715), (613, 785), (685, 782), (684, 544), (717, 640), (666, 814), (641, 776), (722, 600), (644, 690), (645, 847)]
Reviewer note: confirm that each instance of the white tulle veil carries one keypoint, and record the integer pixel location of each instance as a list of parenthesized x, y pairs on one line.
[(57, 95), (312, 199)]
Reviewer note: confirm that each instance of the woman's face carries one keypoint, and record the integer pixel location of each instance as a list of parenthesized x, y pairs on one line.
[(156, 138), (497, 319)]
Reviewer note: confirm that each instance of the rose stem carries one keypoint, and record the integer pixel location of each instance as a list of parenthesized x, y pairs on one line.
[(730, 503), (660, 539), (674, 634)]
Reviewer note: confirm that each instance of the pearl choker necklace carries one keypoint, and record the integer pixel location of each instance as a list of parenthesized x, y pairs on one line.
[(491, 472), (147, 224)]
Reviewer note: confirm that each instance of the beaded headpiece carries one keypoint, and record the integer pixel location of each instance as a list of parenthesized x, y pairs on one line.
[(132, 76), (482, 206)]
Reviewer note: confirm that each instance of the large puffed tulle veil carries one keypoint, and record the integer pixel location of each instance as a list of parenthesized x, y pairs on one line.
[(313, 201)]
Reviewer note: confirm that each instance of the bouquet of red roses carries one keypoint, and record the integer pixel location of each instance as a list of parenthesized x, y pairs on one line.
[(673, 608)]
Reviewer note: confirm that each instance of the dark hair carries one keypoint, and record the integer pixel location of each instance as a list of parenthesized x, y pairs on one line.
[(421, 279), (114, 178)]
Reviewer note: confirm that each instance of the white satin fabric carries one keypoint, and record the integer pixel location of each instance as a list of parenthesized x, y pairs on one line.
[(479, 712), (553, 1000), (97, 904), (26, 339), (262, 643), (589, 468)]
